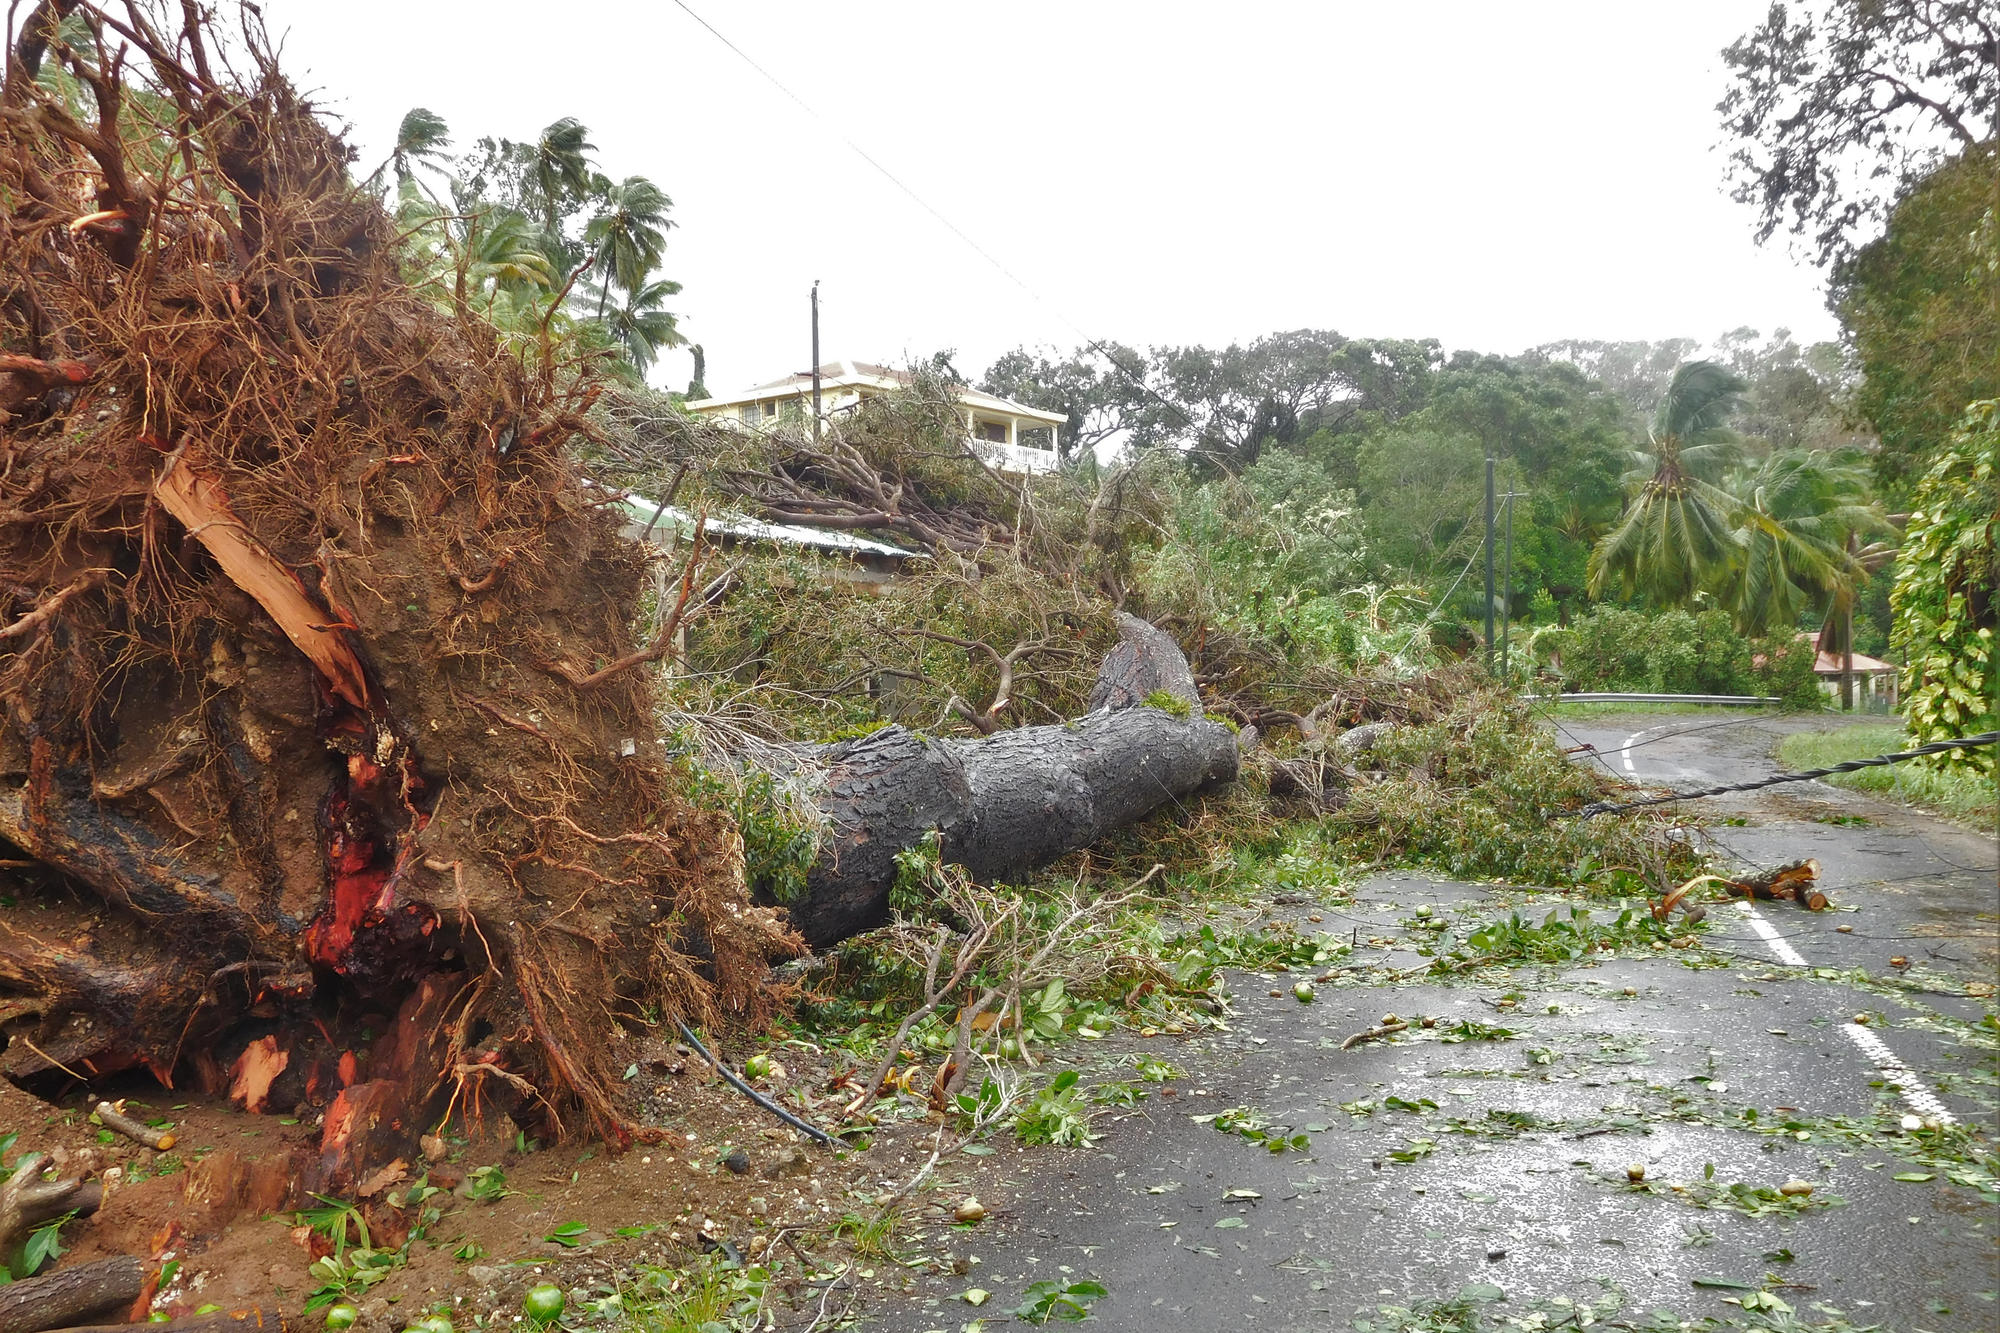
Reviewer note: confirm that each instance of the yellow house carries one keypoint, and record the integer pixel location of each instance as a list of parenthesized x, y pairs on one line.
[(1012, 436)]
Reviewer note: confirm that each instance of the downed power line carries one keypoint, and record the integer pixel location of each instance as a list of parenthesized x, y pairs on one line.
[(1851, 765)]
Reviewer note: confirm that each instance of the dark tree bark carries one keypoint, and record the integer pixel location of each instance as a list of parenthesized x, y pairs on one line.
[(259, 1320), (1146, 661), (1010, 802), (70, 1295)]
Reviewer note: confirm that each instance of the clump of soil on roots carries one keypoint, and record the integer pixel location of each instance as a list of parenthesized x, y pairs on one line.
[(304, 615)]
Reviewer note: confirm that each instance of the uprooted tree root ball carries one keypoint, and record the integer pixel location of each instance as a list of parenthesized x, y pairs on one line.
[(299, 584)]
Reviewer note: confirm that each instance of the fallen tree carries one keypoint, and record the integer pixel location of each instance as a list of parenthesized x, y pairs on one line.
[(316, 712), (1014, 800)]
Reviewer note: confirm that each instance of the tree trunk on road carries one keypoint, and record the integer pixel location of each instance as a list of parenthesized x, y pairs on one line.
[(1010, 802)]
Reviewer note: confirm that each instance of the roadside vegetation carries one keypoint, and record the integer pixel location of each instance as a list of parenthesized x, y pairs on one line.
[(1957, 792), (1680, 652)]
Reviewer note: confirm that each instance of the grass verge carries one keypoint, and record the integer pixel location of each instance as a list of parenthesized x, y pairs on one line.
[(1954, 795)]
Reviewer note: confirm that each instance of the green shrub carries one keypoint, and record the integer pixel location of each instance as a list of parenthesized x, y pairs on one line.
[(1274, 561), (780, 840), (1681, 652), (1675, 652)]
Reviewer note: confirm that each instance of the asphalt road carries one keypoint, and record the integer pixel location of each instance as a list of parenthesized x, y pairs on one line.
[(1502, 1164)]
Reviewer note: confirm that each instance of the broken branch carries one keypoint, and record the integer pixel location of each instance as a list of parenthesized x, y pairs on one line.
[(968, 954), (42, 614), (27, 1201), (1373, 1034), (113, 1117)]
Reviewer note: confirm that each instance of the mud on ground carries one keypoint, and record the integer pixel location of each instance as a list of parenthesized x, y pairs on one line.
[(215, 1203)]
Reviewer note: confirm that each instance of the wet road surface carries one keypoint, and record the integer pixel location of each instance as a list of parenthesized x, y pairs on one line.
[(1449, 1160)]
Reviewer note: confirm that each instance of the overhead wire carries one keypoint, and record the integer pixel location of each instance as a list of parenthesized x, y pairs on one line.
[(1850, 766), (1685, 731), (1093, 344)]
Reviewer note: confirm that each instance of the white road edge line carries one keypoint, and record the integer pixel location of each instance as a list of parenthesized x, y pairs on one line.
[(1898, 1075)]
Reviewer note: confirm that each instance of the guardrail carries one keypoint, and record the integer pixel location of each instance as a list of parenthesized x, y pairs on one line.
[(1725, 700)]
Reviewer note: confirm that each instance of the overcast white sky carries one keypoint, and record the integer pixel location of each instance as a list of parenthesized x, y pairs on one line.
[(1492, 175)]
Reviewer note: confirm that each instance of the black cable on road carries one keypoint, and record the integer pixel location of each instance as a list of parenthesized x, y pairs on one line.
[(1851, 766), (1684, 731), (813, 1132), (1583, 745)]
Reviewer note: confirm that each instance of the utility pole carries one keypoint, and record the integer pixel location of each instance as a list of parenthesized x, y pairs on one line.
[(816, 415), (1847, 648), (1489, 564), (1507, 592)]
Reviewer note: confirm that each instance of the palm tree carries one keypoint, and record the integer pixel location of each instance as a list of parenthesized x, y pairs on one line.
[(643, 327), (1798, 520), (420, 139), (501, 260), (558, 168), (1674, 538), (629, 234)]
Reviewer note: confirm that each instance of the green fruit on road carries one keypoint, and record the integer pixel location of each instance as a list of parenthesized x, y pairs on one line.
[(1303, 992), (341, 1316), (544, 1304)]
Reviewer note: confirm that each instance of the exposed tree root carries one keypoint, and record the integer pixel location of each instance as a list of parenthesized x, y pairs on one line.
[(262, 705)]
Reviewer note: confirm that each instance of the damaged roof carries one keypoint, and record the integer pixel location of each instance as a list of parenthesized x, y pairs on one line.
[(644, 512)]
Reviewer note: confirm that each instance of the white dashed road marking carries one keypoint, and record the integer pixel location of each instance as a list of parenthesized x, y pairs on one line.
[(1899, 1075), (1895, 1073), (1779, 944)]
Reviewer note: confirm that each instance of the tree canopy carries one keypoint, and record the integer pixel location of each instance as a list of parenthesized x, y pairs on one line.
[(1922, 306), (531, 234), (1838, 104), (1745, 499)]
